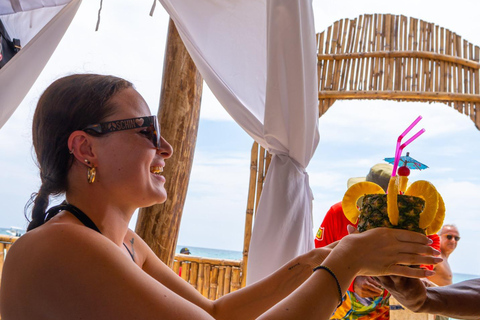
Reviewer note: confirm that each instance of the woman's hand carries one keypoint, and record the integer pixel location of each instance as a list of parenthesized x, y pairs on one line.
[(385, 251)]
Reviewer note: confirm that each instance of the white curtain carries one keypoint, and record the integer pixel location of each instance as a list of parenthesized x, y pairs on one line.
[(40, 25), (258, 57)]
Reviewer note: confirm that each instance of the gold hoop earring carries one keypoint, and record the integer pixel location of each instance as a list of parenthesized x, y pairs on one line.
[(91, 173)]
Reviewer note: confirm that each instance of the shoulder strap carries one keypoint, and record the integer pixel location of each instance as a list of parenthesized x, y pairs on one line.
[(79, 214)]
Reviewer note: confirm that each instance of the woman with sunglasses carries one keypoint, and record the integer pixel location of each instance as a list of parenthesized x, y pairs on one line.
[(97, 147)]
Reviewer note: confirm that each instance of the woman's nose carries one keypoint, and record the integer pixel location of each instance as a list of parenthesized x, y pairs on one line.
[(165, 149)]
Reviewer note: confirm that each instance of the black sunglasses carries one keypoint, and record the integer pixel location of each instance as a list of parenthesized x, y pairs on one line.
[(150, 122), (449, 237)]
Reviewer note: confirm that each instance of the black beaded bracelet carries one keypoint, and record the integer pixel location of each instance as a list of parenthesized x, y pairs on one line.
[(336, 280)]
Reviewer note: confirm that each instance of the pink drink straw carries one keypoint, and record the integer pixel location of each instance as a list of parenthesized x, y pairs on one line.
[(398, 149), (411, 139)]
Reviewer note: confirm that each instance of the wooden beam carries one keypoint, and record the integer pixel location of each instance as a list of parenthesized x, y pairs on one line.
[(179, 115), (398, 95), (401, 54)]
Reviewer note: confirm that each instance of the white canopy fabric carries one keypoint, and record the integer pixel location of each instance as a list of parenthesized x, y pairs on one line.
[(258, 57), (40, 25)]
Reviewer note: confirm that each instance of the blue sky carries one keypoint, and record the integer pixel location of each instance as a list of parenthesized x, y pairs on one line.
[(354, 135)]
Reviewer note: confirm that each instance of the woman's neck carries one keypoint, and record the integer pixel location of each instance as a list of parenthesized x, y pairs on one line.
[(111, 219)]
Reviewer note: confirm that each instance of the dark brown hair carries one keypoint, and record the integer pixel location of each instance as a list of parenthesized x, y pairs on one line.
[(68, 104)]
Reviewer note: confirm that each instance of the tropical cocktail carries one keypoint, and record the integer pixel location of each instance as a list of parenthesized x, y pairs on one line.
[(419, 208)]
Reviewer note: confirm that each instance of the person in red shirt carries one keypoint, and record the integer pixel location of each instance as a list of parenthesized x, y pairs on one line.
[(365, 298)]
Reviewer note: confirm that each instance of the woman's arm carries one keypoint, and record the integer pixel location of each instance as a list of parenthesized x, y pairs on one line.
[(318, 296), (251, 301), (460, 300)]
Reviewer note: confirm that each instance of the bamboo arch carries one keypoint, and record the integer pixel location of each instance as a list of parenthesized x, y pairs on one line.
[(392, 57), (383, 57)]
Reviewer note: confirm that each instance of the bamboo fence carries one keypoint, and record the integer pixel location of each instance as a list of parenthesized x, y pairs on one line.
[(392, 57), (213, 278)]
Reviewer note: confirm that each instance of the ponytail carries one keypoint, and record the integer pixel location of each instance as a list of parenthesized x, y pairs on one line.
[(40, 202)]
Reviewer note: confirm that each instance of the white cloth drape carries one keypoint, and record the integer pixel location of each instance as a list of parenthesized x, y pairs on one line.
[(258, 57), (40, 25)]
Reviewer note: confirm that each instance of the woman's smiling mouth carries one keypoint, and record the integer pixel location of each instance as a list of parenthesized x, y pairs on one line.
[(156, 170)]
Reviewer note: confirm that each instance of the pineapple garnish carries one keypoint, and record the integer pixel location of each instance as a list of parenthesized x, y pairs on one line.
[(392, 207), (349, 202), (402, 184), (425, 190), (437, 222)]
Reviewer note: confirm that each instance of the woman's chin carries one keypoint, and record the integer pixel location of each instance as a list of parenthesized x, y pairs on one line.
[(153, 198), (161, 196), (162, 199)]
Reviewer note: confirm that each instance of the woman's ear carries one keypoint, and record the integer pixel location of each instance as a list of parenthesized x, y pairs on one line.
[(80, 145)]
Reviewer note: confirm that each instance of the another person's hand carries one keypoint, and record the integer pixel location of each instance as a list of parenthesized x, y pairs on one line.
[(367, 287), (385, 251), (410, 292), (427, 283)]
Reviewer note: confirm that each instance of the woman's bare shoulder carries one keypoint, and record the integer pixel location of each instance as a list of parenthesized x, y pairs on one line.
[(53, 239), (39, 264), (66, 269), (47, 252)]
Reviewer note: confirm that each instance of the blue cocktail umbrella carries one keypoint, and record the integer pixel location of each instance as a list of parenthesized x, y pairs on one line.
[(408, 161)]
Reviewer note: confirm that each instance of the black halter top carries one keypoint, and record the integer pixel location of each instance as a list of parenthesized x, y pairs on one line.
[(80, 215)]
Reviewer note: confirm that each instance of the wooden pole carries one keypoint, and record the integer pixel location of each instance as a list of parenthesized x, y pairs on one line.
[(179, 115)]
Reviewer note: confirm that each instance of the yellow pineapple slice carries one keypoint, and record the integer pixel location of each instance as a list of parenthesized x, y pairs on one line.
[(425, 190), (402, 183), (437, 222), (349, 202), (392, 207)]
